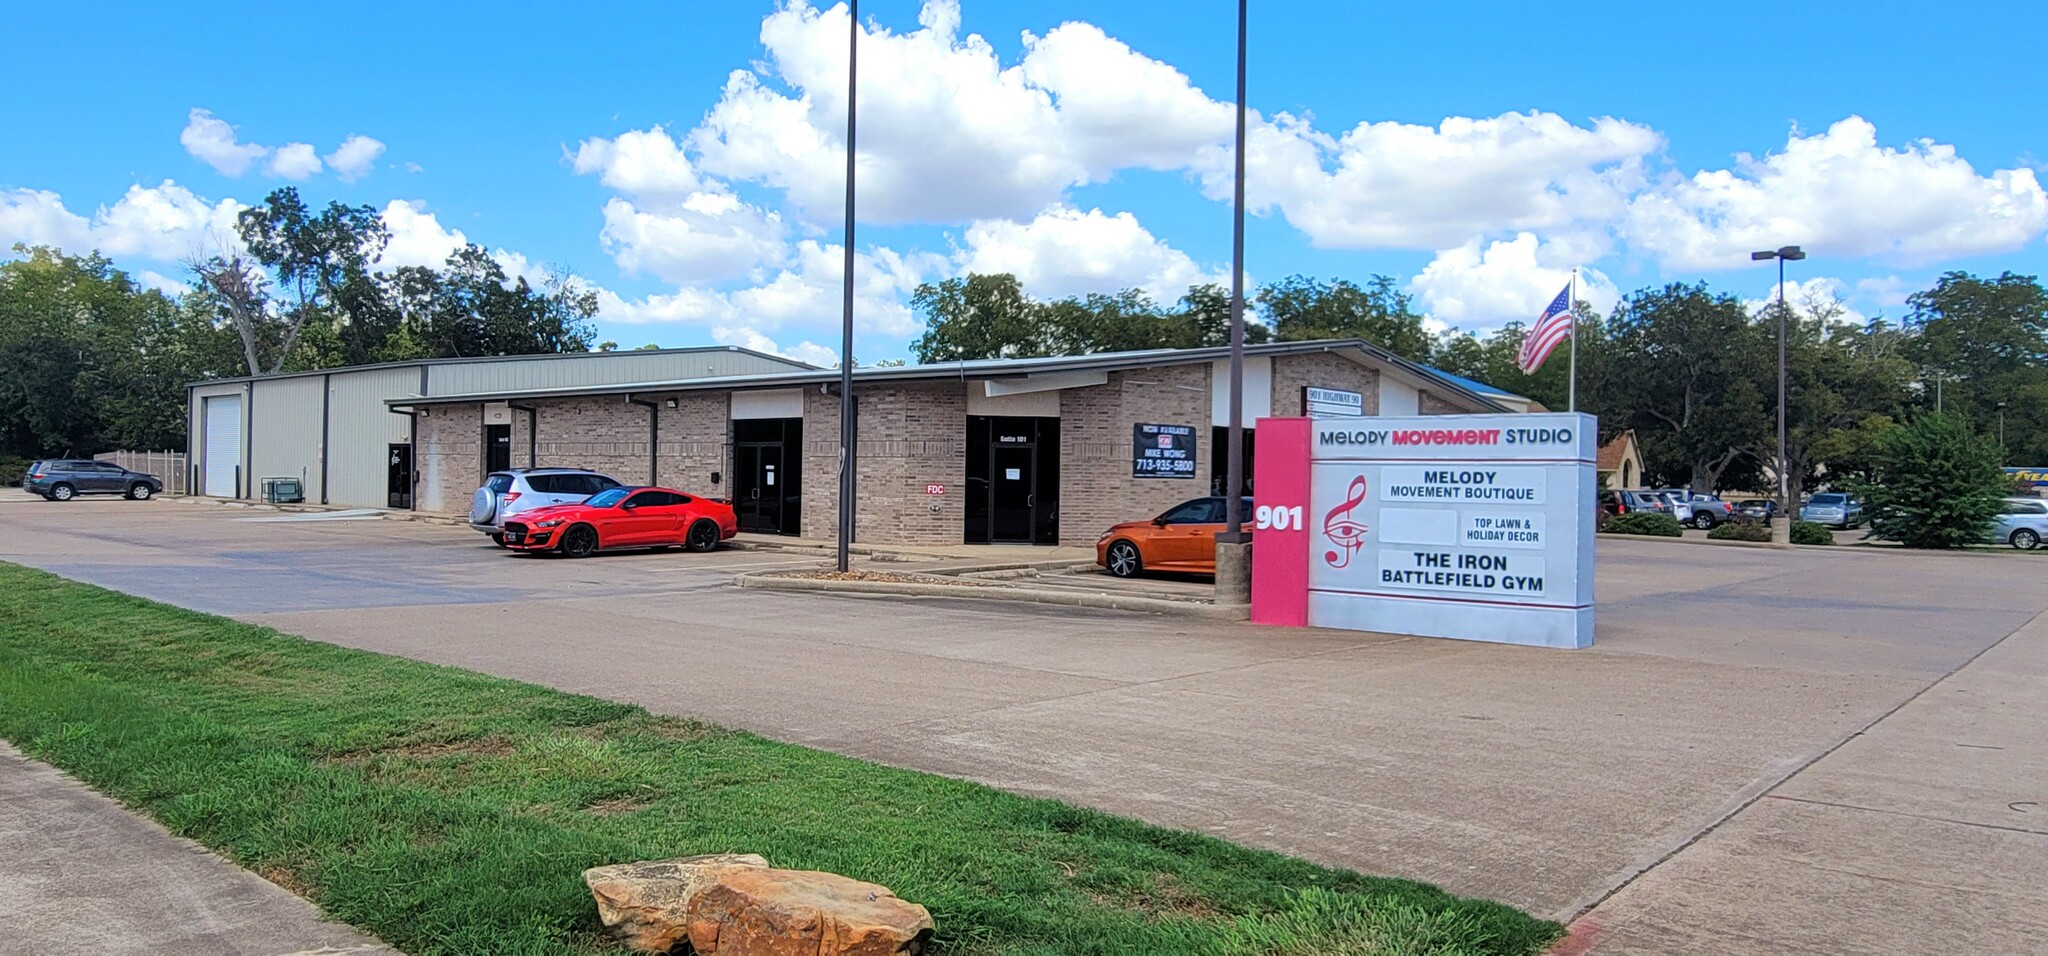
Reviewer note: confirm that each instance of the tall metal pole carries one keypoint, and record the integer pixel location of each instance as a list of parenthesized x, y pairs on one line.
[(1784, 479), (847, 433), (1571, 304), (1233, 487)]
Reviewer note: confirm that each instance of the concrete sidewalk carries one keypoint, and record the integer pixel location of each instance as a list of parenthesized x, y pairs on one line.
[(1926, 832), (81, 876)]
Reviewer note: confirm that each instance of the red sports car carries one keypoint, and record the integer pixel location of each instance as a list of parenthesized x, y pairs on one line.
[(624, 518)]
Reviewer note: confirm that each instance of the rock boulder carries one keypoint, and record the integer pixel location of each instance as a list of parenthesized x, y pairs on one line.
[(646, 905), (752, 911)]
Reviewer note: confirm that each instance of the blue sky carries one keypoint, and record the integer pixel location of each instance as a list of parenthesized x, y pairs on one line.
[(1475, 152)]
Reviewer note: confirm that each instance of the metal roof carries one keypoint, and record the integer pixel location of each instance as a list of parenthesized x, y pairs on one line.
[(540, 356), (988, 368)]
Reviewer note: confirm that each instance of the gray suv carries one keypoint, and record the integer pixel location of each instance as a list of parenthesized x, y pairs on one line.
[(65, 479), (509, 493)]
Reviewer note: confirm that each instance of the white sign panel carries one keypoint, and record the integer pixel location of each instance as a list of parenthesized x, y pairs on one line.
[(1332, 403), (1466, 526)]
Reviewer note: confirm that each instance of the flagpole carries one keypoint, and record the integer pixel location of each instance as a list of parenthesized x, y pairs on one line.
[(1571, 303)]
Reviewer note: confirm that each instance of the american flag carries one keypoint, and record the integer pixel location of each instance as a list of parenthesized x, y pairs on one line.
[(1551, 328)]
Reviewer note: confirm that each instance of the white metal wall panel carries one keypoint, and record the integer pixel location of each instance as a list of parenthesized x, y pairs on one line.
[(360, 432), (222, 429), (284, 433), (596, 368), (768, 403), (1258, 392)]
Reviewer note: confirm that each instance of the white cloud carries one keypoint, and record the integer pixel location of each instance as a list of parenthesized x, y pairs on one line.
[(1063, 251), (805, 351), (152, 279), (644, 163), (1481, 286), (1808, 296), (213, 142), (1887, 292), (947, 132), (294, 161), (166, 222), (417, 236), (804, 295), (1840, 194), (706, 237), (356, 156), (1397, 185)]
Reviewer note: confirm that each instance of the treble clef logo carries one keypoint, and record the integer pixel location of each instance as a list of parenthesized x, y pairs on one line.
[(1342, 531)]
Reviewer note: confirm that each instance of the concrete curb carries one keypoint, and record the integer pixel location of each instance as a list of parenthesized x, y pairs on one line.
[(1108, 602), (1858, 547)]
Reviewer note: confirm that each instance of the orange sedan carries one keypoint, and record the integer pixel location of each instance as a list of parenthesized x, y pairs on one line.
[(1182, 538)]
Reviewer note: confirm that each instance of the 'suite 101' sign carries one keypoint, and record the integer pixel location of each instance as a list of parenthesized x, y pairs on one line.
[(1466, 526)]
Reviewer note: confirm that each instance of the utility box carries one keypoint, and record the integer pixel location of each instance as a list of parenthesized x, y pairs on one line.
[(279, 491)]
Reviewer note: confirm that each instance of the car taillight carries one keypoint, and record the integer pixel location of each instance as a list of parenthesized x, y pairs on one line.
[(510, 496)]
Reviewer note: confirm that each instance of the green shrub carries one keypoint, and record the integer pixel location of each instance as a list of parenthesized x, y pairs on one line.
[(12, 469), (1741, 529), (1644, 522), (1938, 484), (1806, 532)]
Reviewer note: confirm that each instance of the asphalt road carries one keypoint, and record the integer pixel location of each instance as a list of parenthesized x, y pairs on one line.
[(1711, 757)]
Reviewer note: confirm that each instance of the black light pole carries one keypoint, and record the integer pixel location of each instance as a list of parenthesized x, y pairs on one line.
[(1233, 484), (847, 434), (2001, 433), (1784, 480)]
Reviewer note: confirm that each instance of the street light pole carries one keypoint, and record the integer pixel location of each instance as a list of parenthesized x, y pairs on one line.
[(1233, 545), (1782, 534), (2001, 433), (847, 434)]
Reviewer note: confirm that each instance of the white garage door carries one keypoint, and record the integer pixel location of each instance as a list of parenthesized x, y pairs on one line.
[(223, 444)]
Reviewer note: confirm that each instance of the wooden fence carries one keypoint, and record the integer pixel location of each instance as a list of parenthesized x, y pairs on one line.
[(167, 465)]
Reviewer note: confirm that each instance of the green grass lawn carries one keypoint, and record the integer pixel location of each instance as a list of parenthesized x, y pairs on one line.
[(450, 812)]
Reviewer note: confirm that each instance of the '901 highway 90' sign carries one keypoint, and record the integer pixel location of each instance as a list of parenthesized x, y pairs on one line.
[(1468, 526)]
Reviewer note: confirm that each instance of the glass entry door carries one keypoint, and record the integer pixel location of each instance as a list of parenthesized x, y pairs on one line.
[(1013, 501), (765, 483)]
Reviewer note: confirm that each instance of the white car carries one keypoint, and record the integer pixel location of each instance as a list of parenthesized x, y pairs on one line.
[(508, 493), (2023, 525)]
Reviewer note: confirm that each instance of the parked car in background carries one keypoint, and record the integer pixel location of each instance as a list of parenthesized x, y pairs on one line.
[(1757, 509), (2023, 525), (1681, 508), (509, 494), (1181, 538), (1623, 502), (1709, 510), (1833, 509), (65, 479), (619, 518)]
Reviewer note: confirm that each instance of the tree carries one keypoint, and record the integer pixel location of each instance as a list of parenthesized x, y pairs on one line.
[(977, 317), (321, 268), (1840, 378), (1938, 484), (1300, 307), (1979, 342), (1685, 369), (1494, 360)]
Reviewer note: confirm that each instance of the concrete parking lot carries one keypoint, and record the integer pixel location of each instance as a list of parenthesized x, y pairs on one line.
[(1764, 752)]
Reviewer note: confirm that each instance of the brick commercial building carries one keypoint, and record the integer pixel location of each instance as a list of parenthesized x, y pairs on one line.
[(1041, 450)]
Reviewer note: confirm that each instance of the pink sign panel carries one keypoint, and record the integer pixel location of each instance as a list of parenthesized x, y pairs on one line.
[(1280, 465)]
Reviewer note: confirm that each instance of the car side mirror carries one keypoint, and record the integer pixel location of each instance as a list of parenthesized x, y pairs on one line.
[(628, 506), (1159, 521)]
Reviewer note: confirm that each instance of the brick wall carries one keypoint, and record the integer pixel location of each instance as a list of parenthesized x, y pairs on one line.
[(1293, 372), (1096, 487), (1430, 403), (449, 457), (696, 441), (600, 433), (912, 435)]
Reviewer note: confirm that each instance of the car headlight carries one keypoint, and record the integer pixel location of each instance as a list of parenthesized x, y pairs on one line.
[(549, 523)]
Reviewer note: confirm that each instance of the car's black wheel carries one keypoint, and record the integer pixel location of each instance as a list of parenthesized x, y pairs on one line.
[(580, 541), (1704, 522), (497, 539), (63, 493), (2026, 539), (703, 537), (139, 491), (1123, 560)]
